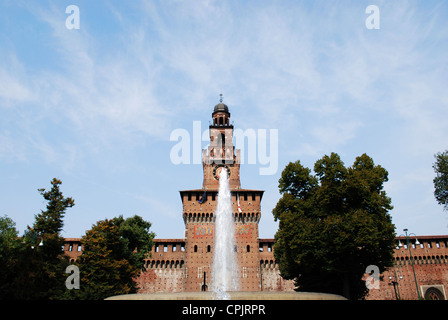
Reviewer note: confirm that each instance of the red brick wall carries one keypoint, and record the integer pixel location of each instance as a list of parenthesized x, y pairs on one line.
[(430, 265), (167, 269), (178, 265), (73, 248), (257, 268)]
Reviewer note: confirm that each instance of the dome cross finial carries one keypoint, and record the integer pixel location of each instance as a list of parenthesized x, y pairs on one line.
[(221, 107)]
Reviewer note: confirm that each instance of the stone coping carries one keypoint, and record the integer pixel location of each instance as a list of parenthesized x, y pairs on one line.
[(240, 295)]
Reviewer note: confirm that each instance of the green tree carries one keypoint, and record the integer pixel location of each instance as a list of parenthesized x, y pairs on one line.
[(10, 249), (333, 224), (43, 274), (441, 179), (112, 258), (137, 239)]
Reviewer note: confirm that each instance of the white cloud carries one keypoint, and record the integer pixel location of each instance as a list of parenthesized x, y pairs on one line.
[(97, 98), (335, 135), (312, 71), (14, 88), (9, 150)]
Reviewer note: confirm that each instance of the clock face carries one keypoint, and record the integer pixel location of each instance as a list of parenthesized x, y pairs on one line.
[(217, 170)]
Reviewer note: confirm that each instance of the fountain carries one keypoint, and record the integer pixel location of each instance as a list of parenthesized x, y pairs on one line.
[(207, 233), (225, 265), (225, 283)]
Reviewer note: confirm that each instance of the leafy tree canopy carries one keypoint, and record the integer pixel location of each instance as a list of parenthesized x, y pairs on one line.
[(10, 246), (441, 179), (333, 224), (34, 265), (113, 255)]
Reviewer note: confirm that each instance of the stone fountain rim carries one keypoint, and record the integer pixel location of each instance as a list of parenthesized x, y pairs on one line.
[(236, 295)]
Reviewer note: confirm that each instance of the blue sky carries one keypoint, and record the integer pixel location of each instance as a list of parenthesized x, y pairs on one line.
[(95, 106)]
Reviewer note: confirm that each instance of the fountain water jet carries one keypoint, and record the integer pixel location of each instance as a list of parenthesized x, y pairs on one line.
[(225, 265)]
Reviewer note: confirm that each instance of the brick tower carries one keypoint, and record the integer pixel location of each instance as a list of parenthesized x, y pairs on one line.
[(185, 265), (199, 206), (181, 265), (221, 152)]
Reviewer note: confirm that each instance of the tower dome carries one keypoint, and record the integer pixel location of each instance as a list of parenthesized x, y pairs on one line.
[(221, 107)]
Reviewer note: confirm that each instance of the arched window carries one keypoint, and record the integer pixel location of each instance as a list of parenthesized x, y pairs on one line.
[(195, 248), (222, 140), (248, 248)]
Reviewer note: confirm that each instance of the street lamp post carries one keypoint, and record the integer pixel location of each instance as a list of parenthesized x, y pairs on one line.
[(395, 283), (410, 254)]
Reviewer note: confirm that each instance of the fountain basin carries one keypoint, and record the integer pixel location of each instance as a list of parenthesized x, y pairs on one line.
[(237, 295)]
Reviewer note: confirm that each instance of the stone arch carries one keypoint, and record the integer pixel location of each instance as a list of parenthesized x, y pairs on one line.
[(433, 293)]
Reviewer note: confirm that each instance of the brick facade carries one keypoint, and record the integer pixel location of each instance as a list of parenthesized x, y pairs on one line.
[(73, 248), (167, 271), (179, 265), (430, 260), (184, 265)]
